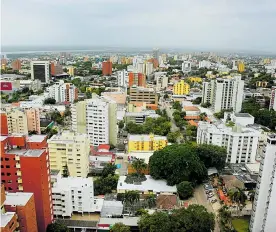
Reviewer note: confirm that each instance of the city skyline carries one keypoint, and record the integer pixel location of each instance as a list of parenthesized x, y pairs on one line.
[(220, 25)]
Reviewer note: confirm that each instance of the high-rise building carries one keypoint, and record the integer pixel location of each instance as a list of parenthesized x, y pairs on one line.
[(140, 67), (122, 77), (241, 66), (97, 118), (181, 88), (136, 79), (107, 68), (23, 204), (56, 68), (25, 168), (141, 94), (156, 53), (272, 104), (240, 142), (69, 152), (4, 124), (186, 66), (33, 119), (204, 64), (41, 70), (73, 195), (264, 211), (16, 65), (149, 68), (17, 121), (71, 71), (224, 94)]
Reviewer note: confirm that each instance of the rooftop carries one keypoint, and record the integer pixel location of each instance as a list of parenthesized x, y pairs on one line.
[(18, 198), (129, 221), (191, 108), (148, 184), (30, 153), (36, 138), (146, 137), (72, 182), (243, 115), (78, 223), (6, 218)]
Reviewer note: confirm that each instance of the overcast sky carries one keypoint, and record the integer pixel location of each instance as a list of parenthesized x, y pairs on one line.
[(195, 24)]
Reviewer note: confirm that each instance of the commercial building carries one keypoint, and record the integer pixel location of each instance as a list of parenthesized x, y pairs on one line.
[(122, 77), (181, 88), (25, 168), (224, 94), (56, 68), (136, 79), (69, 152), (272, 104), (16, 65), (73, 195), (23, 204), (63, 92), (149, 142), (140, 94), (107, 68), (41, 70), (264, 211), (240, 142), (140, 117), (241, 66)]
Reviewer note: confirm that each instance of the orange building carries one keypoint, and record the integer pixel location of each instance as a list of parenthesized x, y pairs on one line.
[(4, 124), (23, 204), (107, 68), (25, 169), (9, 222), (154, 61), (16, 65), (33, 119), (138, 79)]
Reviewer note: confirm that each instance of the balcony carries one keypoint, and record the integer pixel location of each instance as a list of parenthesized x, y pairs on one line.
[(19, 180), (20, 188), (17, 165), (18, 173), (17, 158)]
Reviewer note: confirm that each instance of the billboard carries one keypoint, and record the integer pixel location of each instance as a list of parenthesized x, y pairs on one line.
[(5, 86)]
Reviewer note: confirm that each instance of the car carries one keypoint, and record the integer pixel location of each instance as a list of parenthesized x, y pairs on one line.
[(120, 157), (214, 200), (210, 194)]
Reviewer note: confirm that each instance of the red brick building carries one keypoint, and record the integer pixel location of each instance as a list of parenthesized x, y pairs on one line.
[(137, 79), (16, 65), (107, 68), (24, 169), (4, 124)]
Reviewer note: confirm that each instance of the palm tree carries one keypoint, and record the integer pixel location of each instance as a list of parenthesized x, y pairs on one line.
[(151, 200), (139, 165), (131, 197), (239, 197)]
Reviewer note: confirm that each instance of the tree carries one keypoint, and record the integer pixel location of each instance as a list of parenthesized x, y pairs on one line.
[(166, 96), (121, 124), (206, 105), (203, 116), (177, 105), (225, 220), (185, 189), (120, 227), (156, 222), (57, 227), (109, 169), (88, 95), (76, 82), (197, 101), (151, 200), (172, 136), (251, 195), (239, 197), (51, 101), (104, 185), (139, 165)]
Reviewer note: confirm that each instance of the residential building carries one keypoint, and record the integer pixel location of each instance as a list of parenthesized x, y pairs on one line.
[(71, 71), (73, 195), (224, 94), (272, 104), (23, 204), (140, 67), (4, 124), (107, 68), (16, 65), (181, 88), (241, 66), (155, 53), (69, 152), (140, 94), (25, 168), (122, 77), (63, 92), (56, 68), (195, 79), (149, 68), (149, 142), (140, 117), (33, 119), (186, 66), (204, 64), (97, 117), (136, 79), (9, 221), (240, 142), (41, 70), (161, 80), (17, 121), (264, 211)]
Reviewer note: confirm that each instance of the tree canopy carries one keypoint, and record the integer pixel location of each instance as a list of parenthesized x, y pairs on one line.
[(185, 189), (51, 101), (120, 227), (177, 105), (57, 227)]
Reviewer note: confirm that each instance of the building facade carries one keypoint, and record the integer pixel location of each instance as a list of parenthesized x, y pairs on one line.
[(122, 77), (140, 94), (272, 104), (69, 152), (33, 119), (181, 88), (41, 70), (264, 211), (107, 68), (17, 121), (136, 79), (16, 65)]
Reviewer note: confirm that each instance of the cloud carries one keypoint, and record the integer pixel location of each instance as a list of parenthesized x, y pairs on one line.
[(201, 24)]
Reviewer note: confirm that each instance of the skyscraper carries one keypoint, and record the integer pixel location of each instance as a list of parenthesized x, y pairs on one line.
[(272, 104), (16, 65), (264, 210), (40, 70), (156, 53), (107, 68)]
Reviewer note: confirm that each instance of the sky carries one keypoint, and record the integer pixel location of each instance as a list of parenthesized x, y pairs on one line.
[(196, 24)]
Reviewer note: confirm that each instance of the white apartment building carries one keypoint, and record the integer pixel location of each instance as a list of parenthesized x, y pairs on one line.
[(97, 117), (40, 70), (272, 104), (204, 64), (122, 77), (149, 68), (63, 92), (140, 67), (224, 94), (240, 142), (71, 150), (264, 210), (186, 66), (73, 194)]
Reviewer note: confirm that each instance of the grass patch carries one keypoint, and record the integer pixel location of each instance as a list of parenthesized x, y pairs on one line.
[(240, 224)]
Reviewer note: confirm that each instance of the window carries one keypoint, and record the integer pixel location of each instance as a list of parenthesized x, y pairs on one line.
[(8, 166)]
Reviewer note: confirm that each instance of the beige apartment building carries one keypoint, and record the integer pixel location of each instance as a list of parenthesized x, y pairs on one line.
[(70, 150), (17, 121), (33, 120), (141, 94)]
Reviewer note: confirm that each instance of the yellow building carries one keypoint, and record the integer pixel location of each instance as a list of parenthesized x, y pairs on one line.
[(195, 79), (71, 150), (149, 142), (181, 88), (241, 67), (71, 71)]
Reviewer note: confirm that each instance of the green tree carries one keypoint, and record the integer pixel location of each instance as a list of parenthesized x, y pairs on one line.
[(225, 220), (185, 189), (76, 82), (57, 227), (139, 165), (206, 105), (166, 96), (120, 227), (109, 169), (197, 101), (156, 222), (104, 185), (239, 197), (172, 136), (88, 95), (177, 105), (121, 124), (151, 200), (51, 101)]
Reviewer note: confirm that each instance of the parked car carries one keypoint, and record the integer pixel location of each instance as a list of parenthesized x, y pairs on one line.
[(120, 157), (214, 200)]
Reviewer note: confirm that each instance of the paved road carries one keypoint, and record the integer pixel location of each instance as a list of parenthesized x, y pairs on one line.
[(201, 199), (123, 162)]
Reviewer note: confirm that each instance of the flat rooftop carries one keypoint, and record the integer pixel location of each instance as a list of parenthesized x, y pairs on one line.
[(36, 138), (6, 218), (18, 198), (129, 221), (145, 137), (243, 115), (69, 182), (29, 153)]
